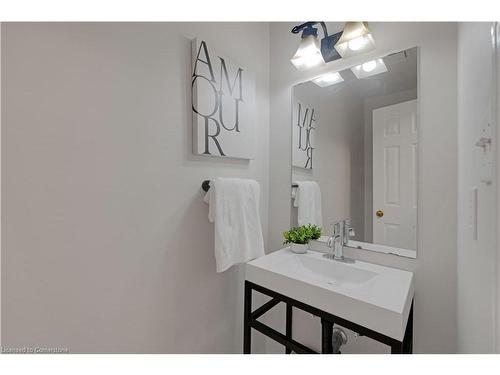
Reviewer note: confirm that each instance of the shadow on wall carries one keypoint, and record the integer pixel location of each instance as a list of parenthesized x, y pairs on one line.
[(214, 293)]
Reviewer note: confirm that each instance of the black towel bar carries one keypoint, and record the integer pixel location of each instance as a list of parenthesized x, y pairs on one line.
[(205, 185)]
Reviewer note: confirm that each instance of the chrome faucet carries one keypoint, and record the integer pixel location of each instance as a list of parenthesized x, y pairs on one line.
[(347, 232), (335, 242), (342, 231)]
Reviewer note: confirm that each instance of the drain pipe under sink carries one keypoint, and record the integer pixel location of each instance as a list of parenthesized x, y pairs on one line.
[(339, 338)]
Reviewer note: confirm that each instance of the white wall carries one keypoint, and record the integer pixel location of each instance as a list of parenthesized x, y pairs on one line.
[(435, 267), (476, 258), (79, 176), (338, 154), (0, 177), (107, 247), (497, 82)]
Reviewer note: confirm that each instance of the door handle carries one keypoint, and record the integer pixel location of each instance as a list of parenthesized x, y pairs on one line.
[(379, 213)]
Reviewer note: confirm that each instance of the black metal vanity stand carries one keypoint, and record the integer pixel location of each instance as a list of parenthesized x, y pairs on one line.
[(327, 322)]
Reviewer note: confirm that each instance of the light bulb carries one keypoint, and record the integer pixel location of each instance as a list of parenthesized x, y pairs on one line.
[(355, 38), (369, 66), (308, 54), (357, 44), (328, 79)]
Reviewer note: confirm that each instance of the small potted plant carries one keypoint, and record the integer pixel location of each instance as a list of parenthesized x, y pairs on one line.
[(299, 237), (314, 231)]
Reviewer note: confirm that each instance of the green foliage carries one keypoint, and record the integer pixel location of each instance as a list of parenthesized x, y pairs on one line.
[(315, 231), (302, 235)]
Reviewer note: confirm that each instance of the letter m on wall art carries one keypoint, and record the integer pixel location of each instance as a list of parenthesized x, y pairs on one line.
[(223, 97), (304, 126)]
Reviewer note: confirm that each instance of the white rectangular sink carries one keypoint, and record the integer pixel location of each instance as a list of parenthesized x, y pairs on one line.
[(373, 296)]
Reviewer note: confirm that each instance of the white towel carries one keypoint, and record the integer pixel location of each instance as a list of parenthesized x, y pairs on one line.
[(234, 207), (308, 201)]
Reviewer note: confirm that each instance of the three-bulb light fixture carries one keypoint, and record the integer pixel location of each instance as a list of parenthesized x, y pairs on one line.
[(355, 38)]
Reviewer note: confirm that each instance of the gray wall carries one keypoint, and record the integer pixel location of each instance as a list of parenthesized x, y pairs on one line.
[(435, 267), (107, 246)]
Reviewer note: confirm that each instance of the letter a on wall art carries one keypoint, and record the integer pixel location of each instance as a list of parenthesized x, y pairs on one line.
[(223, 94)]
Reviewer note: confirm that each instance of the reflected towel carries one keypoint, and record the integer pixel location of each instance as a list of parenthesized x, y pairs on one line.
[(308, 201), (234, 207)]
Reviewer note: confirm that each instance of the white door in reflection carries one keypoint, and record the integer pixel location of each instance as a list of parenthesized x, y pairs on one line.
[(395, 152)]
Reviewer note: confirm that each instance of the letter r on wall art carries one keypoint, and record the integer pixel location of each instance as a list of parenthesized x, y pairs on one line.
[(223, 100)]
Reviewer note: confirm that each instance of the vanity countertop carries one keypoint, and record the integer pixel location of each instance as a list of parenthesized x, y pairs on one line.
[(374, 296)]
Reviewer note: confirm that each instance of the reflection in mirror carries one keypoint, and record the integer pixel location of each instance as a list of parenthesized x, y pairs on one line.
[(355, 152)]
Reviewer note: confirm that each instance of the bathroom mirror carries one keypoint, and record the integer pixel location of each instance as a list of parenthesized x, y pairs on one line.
[(355, 134)]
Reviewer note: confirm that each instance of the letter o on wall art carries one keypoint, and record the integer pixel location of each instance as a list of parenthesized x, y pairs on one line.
[(223, 97)]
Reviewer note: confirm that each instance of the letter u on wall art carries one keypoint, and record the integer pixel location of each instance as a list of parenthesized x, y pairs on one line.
[(223, 97)]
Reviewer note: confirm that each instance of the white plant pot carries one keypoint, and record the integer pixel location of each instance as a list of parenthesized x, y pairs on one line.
[(298, 248)]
